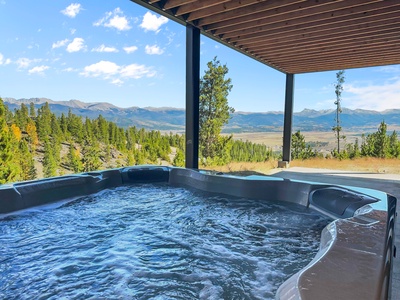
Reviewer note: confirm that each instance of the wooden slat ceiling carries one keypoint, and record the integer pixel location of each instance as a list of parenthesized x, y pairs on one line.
[(297, 36)]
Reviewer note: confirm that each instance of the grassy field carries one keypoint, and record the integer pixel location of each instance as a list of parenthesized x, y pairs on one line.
[(367, 164), (275, 139), (327, 139)]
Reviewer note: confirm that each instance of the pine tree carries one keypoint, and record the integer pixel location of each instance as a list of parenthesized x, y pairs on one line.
[(214, 110), (299, 148), (130, 160), (43, 122), (338, 91), (49, 162), (9, 167), (75, 126), (74, 160), (26, 161), (21, 116), (91, 156), (394, 145), (179, 159), (32, 110), (381, 143)]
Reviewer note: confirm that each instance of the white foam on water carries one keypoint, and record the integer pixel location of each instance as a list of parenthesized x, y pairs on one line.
[(155, 242)]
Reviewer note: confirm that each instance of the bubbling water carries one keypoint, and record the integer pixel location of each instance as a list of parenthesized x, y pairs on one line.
[(154, 241)]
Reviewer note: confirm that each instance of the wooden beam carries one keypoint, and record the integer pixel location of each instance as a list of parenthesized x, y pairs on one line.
[(360, 20), (388, 31), (339, 66), (294, 17), (176, 3), (339, 54), (369, 25), (203, 5), (239, 6), (392, 40)]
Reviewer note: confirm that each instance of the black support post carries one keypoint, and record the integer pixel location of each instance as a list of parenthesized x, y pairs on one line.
[(288, 117), (192, 96)]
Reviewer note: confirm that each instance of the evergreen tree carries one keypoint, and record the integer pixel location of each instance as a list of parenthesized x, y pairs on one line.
[(338, 91), (9, 167), (21, 116), (91, 156), (130, 160), (299, 148), (64, 125), (43, 122), (49, 162), (26, 161), (75, 126), (394, 145), (32, 110), (74, 160), (102, 132), (179, 159), (214, 110), (355, 150), (381, 141)]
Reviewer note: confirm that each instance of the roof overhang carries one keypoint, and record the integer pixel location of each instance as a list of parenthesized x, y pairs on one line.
[(296, 36)]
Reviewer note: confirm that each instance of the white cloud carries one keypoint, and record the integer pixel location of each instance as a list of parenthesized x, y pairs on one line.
[(117, 82), (137, 71), (114, 19), (111, 71), (34, 45), (102, 68), (76, 45), (373, 97), (69, 70), (130, 49), (1, 58), (390, 69), (24, 62), (59, 44), (72, 10), (104, 48), (72, 31), (38, 70), (152, 22), (152, 50)]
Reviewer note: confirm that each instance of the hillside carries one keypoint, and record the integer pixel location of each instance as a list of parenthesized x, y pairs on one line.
[(173, 119)]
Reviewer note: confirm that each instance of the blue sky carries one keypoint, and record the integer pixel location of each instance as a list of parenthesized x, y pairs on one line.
[(121, 53)]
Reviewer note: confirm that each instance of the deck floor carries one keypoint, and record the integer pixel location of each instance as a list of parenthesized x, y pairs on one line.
[(389, 183)]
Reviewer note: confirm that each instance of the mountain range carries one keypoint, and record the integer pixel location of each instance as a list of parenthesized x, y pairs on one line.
[(173, 119)]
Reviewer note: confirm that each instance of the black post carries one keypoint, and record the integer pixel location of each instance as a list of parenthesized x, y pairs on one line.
[(192, 96), (287, 124)]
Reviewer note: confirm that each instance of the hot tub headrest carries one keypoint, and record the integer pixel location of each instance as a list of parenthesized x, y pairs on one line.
[(339, 202), (145, 174)]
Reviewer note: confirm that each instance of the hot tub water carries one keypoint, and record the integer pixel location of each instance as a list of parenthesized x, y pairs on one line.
[(154, 241)]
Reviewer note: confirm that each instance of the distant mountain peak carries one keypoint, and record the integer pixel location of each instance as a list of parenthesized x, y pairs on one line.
[(169, 118)]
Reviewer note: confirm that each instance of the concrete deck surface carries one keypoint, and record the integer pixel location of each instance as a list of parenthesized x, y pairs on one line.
[(388, 183)]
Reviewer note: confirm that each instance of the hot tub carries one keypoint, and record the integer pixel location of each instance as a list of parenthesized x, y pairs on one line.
[(354, 258)]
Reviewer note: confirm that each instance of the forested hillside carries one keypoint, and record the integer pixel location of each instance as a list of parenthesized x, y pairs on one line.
[(36, 143), (174, 119)]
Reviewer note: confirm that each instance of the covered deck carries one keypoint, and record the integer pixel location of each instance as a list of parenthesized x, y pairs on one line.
[(293, 37)]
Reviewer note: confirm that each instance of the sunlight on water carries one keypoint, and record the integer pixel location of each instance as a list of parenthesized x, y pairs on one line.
[(155, 242)]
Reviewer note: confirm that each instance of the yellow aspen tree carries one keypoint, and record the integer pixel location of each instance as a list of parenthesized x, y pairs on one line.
[(16, 132)]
